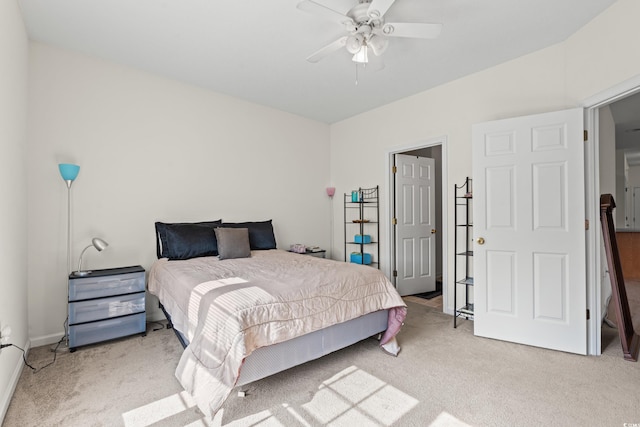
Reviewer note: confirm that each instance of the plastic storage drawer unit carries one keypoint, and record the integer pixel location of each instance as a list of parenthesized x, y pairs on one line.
[(98, 284), (105, 308), (93, 332), (106, 304)]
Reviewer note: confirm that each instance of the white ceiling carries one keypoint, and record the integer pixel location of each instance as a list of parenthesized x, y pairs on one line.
[(256, 49)]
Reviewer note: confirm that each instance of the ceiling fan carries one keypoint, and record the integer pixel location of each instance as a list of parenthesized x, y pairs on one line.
[(367, 28)]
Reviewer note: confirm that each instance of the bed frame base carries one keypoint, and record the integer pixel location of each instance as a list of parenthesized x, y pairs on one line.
[(272, 359), (183, 340)]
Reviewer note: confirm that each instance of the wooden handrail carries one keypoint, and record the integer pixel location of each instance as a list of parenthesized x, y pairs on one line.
[(628, 337)]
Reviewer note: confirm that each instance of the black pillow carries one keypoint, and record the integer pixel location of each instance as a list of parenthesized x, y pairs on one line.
[(186, 240), (260, 233)]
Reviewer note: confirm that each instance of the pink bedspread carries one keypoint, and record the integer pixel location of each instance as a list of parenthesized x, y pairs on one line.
[(229, 308)]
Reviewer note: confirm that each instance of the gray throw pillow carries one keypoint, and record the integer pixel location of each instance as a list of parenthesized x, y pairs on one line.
[(233, 242)]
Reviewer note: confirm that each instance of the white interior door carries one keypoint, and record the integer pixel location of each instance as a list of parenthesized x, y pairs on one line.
[(635, 211), (415, 229), (530, 272)]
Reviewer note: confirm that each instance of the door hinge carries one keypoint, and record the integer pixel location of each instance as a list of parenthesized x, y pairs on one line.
[(588, 314), (586, 135), (394, 221), (394, 169), (586, 224), (395, 273)]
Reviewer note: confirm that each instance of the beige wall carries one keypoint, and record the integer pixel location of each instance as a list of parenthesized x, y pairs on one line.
[(562, 76), (152, 149), (608, 170), (607, 155), (13, 191)]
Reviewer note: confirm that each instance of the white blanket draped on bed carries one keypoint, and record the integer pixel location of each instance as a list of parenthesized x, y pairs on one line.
[(229, 308)]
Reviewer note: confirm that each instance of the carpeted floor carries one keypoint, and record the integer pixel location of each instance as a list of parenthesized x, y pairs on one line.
[(442, 377)]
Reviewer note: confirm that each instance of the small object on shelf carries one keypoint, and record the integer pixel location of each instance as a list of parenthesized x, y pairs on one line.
[(468, 195), (358, 221), (362, 238), (298, 248), (314, 251), (354, 196), (360, 258), (318, 253)]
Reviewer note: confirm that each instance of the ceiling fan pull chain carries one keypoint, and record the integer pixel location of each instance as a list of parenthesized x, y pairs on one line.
[(356, 74)]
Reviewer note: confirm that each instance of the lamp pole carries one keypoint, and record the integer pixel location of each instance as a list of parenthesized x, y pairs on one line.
[(69, 173)]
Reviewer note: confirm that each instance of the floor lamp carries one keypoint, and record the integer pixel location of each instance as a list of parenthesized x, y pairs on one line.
[(69, 173)]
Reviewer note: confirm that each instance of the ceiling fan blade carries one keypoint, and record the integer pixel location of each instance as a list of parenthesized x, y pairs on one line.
[(415, 30), (318, 9), (378, 8), (327, 50)]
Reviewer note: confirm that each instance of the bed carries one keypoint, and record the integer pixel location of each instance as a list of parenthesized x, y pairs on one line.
[(246, 310)]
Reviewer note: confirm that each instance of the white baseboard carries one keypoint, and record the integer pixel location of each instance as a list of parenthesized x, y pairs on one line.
[(46, 339), (13, 381), (152, 316)]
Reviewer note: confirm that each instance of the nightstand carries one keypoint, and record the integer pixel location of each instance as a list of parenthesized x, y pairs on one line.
[(321, 253), (106, 304)]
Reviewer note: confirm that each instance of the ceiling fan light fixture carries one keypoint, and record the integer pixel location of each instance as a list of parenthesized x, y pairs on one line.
[(378, 44), (354, 43), (361, 56)]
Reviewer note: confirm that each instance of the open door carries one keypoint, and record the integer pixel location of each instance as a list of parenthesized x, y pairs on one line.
[(415, 230), (529, 226)]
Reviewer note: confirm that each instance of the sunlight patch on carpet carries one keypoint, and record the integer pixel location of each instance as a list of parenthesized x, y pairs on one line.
[(355, 397), (159, 410), (263, 418), (445, 419)]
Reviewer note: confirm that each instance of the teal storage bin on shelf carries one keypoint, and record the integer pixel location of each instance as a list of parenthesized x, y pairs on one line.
[(357, 258), (362, 238)]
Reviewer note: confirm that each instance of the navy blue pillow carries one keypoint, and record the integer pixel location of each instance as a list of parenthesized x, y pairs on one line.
[(261, 235), (186, 240)]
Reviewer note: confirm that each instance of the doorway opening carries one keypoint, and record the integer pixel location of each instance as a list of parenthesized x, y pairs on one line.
[(612, 119), (432, 152)]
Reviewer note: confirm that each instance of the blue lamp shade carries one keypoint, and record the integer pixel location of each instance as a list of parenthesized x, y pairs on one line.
[(68, 171)]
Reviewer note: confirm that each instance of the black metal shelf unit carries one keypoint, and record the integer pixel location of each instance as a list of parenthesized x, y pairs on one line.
[(463, 259), (362, 226)]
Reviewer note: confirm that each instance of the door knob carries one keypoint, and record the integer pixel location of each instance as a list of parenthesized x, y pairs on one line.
[(433, 231), (480, 240)]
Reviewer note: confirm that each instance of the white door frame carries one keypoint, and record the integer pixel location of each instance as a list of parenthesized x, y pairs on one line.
[(388, 229), (592, 200)]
